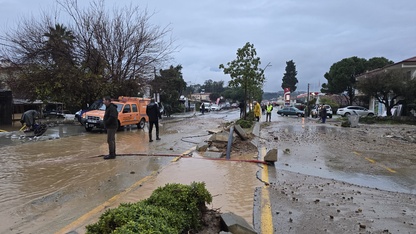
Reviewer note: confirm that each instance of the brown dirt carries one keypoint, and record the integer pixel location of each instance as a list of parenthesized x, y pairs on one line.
[(306, 202), (211, 222)]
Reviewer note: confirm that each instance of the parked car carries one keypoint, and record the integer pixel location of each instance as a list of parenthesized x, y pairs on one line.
[(290, 110), (131, 111), (95, 106), (359, 110), (315, 114), (215, 107), (225, 106)]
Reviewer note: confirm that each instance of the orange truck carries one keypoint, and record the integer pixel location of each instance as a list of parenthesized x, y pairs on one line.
[(131, 111)]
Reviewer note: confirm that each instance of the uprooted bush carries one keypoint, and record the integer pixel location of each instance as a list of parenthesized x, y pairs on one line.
[(248, 122), (174, 208)]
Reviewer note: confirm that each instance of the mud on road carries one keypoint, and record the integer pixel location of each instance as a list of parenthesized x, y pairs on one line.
[(331, 179)]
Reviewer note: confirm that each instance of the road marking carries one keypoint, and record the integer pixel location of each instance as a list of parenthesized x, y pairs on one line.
[(266, 209), (99, 209), (375, 162), (370, 160)]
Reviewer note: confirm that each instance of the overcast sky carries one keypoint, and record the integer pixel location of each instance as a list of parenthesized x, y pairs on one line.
[(313, 33)]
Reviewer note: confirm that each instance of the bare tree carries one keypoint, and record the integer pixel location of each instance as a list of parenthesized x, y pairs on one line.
[(125, 39), (116, 51)]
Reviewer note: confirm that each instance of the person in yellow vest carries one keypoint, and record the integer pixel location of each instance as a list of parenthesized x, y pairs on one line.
[(257, 110), (269, 109)]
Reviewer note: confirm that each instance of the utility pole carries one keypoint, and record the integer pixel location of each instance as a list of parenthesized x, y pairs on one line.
[(307, 104)]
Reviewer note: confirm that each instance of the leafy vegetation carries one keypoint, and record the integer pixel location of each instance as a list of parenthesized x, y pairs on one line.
[(342, 75), (289, 78), (170, 85), (97, 53), (246, 73), (248, 122), (386, 87), (174, 208)]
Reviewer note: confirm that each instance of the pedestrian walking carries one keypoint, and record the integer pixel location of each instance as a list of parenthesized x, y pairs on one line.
[(257, 111), (111, 125), (269, 109), (153, 112)]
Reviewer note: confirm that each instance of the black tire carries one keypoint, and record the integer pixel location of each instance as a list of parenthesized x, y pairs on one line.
[(41, 129), (330, 116), (299, 115), (370, 115), (347, 114), (141, 124), (88, 129)]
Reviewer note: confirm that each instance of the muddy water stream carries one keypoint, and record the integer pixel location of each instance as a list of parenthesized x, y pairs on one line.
[(50, 181), (52, 176)]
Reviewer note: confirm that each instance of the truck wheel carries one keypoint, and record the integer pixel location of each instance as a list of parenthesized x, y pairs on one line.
[(88, 129), (330, 116), (141, 124)]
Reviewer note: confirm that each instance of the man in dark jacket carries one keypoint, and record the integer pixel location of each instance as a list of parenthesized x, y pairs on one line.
[(111, 125), (28, 119), (152, 110)]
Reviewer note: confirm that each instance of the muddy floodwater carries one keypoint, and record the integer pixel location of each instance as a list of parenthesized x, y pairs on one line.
[(374, 156), (47, 183), (50, 181), (62, 172), (330, 179)]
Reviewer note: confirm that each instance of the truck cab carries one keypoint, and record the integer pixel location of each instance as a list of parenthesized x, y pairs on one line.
[(131, 111)]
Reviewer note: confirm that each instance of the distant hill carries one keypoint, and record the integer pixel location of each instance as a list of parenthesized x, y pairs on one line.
[(272, 95), (275, 95)]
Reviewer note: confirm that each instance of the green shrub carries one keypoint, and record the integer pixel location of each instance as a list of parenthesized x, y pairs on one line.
[(244, 123), (187, 200), (174, 208), (248, 122)]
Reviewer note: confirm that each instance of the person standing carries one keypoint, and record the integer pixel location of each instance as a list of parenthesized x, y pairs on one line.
[(242, 106), (153, 112), (202, 107), (28, 119), (257, 111), (269, 109), (111, 125), (323, 113)]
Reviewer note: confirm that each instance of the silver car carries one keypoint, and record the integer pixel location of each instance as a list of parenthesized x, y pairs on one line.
[(351, 110)]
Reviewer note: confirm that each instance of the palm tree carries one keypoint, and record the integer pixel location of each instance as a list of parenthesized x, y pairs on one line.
[(59, 45)]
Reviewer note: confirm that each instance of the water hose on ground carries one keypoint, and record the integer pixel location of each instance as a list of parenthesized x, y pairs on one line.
[(182, 139), (186, 156)]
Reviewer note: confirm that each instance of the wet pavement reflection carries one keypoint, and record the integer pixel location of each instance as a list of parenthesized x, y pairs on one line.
[(315, 149), (53, 172)]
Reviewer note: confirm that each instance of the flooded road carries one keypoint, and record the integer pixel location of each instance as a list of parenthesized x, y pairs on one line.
[(60, 173), (364, 156), (48, 182)]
